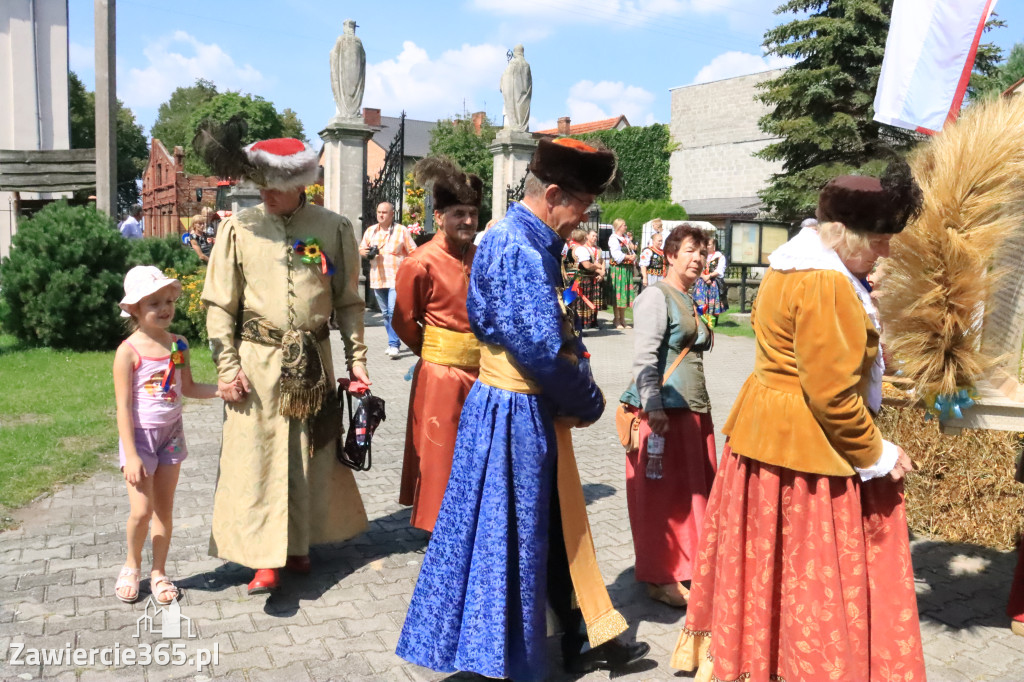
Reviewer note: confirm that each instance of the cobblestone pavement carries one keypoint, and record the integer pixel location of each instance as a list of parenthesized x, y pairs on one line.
[(57, 570)]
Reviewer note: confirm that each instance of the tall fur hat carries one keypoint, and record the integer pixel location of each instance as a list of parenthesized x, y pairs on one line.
[(867, 204), (575, 165), (283, 163), (449, 184)]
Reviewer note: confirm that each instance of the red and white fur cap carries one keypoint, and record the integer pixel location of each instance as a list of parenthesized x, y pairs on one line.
[(283, 163)]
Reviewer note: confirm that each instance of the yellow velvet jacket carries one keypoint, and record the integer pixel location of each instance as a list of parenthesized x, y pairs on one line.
[(804, 406)]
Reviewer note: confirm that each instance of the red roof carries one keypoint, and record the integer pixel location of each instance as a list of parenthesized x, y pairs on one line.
[(580, 128)]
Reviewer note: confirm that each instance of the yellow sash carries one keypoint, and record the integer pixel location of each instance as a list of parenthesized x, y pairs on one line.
[(446, 347), (604, 623)]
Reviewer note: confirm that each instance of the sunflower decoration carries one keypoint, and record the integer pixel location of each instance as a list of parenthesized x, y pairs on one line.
[(311, 253)]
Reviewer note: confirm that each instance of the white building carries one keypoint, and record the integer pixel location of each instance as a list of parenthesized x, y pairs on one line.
[(33, 87)]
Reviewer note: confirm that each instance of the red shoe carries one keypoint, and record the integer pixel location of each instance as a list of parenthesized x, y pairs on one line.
[(298, 564), (264, 582)]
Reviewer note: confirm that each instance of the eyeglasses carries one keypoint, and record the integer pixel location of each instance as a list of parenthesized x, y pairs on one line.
[(576, 197)]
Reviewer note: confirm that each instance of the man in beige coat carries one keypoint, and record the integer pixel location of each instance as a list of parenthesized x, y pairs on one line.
[(276, 273)]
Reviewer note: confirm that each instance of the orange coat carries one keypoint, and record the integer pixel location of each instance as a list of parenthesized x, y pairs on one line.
[(804, 406)]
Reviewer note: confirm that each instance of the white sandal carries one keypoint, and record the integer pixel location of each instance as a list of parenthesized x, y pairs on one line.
[(155, 582), (128, 577)]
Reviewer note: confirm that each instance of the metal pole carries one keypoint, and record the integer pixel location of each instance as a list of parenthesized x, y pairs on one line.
[(106, 103)]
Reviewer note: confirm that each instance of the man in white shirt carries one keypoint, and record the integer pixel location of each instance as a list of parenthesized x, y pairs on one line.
[(131, 228)]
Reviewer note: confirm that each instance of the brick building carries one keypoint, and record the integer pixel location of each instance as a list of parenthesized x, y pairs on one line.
[(567, 127), (169, 193), (715, 174)]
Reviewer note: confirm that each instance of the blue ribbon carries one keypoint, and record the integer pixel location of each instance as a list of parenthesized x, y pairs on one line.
[(952, 405)]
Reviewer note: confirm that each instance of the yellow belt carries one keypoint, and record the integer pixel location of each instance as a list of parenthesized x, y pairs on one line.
[(498, 369), (446, 347)]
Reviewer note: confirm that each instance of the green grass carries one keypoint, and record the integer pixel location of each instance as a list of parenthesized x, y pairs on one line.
[(57, 418), (732, 324)]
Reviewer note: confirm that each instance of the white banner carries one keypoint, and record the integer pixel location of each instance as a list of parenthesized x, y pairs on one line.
[(929, 55)]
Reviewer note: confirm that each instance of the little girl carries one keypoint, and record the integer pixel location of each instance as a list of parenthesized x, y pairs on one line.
[(151, 373)]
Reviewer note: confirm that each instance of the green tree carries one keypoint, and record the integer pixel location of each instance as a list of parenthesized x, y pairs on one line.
[(985, 75), (822, 106), (173, 126), (132, 150), (264, 121), (457, 139), (291, 126), (1006, 74), (643, 153)]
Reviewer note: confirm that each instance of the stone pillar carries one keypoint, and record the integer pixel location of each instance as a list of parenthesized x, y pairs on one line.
[(106, 101), (243, 196), (512, 153), (345, 168)]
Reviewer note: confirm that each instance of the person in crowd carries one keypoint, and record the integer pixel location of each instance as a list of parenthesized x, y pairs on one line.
[(512, 533), (480, 235), (656, 228), (276, 273), (590, 274), (804, 568), (652, 263), (198, 241), (151, 373), (708, 289), (809, 224), (431, 319), (668, 480), (386, 244), (623, 260), (131, 228)]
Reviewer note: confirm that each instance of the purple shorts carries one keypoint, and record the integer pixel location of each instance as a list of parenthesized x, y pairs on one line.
[(158, 445)]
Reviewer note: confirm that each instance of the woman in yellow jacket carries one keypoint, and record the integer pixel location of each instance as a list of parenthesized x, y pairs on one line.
[(803, 571)]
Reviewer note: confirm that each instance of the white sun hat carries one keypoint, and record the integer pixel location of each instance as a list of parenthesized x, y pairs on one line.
[(143, 280)]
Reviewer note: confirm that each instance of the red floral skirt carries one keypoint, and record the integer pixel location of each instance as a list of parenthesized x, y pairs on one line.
[(666, 514), (802, 577)]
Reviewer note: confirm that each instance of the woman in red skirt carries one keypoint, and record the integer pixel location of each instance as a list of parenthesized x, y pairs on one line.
[(804, 571), (669, 478)]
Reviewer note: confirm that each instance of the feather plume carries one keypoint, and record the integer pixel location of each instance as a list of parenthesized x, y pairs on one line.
[(222, 147), (944, 268), (433, 168)]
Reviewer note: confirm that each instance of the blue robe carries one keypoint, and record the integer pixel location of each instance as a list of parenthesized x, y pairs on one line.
[(479, 603)]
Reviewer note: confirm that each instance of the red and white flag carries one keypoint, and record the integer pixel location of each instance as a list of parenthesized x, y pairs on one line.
[(929, 55)]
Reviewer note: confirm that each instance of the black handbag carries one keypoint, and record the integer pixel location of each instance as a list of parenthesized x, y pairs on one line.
[(363, 419)]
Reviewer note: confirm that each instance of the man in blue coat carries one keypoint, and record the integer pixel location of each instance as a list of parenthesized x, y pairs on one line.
[(512, 532)]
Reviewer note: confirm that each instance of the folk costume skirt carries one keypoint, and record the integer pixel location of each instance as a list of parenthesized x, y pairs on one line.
[(802, 577), (622, 285), (590, 289), (708, 297), (1015, 607), (666, 514)]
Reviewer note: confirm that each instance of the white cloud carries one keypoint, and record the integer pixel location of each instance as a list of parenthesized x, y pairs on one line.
[(731, 64), (177, 60), (590, 101), (436, 88), (81, 57)]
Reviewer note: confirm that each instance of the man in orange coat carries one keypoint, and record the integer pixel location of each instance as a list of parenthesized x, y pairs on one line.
[(430, 317)]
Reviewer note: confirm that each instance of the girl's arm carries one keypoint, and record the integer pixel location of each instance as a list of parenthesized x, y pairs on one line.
[(124, 366), (189, 388)]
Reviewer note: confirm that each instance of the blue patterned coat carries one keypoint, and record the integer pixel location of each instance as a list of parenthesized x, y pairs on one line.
[(479, 603)]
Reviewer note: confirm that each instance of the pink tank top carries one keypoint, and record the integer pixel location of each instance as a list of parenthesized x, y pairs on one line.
[(152, 405)]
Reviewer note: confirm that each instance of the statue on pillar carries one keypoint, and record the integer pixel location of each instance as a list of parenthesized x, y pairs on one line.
[(517, 90), (348, 73)]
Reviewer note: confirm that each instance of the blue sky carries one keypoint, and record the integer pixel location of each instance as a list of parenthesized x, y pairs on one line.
[(590, 59)]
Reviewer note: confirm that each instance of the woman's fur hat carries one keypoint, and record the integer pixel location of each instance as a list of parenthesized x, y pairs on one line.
[(449, 184), (867, 204), (282, 163), (574, 165)]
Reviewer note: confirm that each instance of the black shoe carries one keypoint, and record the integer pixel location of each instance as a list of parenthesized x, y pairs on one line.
[(613, 655)]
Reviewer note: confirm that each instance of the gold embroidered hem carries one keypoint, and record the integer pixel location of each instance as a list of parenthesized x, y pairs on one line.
[(446, 347), (604, 623), (498, 369)]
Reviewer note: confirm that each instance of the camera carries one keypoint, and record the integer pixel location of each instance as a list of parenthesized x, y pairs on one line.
[(372, 252)]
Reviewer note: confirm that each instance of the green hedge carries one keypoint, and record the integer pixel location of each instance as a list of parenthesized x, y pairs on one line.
[(643, 159), (636, 213)]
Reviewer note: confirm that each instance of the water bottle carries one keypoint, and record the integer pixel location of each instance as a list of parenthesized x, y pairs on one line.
[(655, 450)]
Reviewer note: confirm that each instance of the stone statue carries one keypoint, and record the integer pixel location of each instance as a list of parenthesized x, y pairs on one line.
[(348, 73), (517, 90)]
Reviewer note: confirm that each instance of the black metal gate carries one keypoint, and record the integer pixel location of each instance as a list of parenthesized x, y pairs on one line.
[(389, 186), (515, 193)]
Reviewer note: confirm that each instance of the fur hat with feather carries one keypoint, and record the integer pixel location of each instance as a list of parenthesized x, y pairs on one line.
[(282, 163), (449, 185)]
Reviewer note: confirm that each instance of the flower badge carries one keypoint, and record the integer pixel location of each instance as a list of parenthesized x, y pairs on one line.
[(311, 253)]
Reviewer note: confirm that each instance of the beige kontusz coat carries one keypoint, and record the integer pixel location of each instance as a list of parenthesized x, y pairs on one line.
[(273, 497)]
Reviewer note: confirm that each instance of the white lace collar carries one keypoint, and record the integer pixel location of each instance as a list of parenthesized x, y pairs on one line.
[(806, 252)]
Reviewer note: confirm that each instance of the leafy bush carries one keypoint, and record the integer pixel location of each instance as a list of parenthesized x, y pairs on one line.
[(636, 213), (163, 252), (189, 311), (643, 159), (63, 279)]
